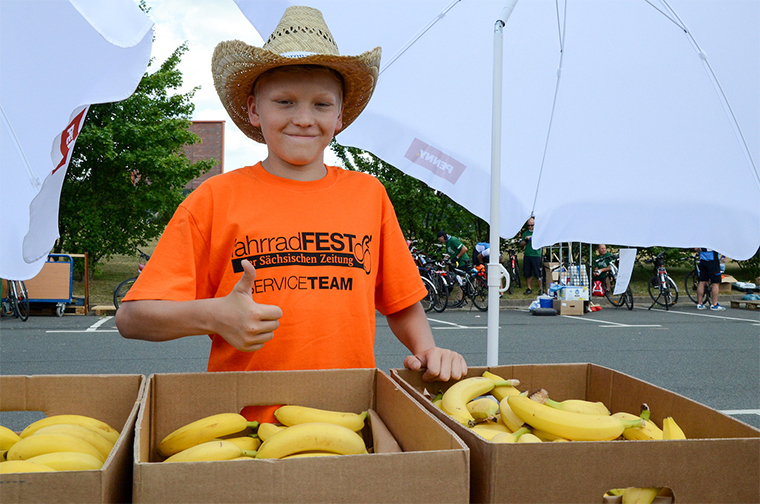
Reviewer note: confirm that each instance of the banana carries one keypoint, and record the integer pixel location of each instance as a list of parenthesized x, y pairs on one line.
[(568, 424), (508, 417), (483, 408), (529, 438), (98, 426), (249, 443), (267, 430), (457, 396), (671, 430), (103, 445), (579, 406), (311, 454), (633, 495), (502, 391), (22, 466), (489, 430), (38, 444), (200, 431), (313, 436), (650, 431), (210, 450), (546, 437), (510, 437), (68, 461), (290, 415), (7, 438)]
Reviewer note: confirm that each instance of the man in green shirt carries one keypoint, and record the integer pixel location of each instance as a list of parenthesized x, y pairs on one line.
[(531, 259), (602, 266), (455, 248)]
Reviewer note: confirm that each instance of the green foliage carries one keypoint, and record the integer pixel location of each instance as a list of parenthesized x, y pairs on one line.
[(750, 269), (421, 210), (128, 170)]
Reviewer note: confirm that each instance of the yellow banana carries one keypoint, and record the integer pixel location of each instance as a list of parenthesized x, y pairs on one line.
[(209, 451), (510, 437), (7, 438), (68, 461), (650, 431), (671, 430), (483, 408), (200, 431), (22, 466), (529, 438), (311, 454), (502, 391), (488, 430), (545, 436), (98, 426), (267, 430), (633, 495), (579, 406), (249, 443), (289, 415), (38, 444), (103, 445), (568, 424), (457, 396), (321, 436), (508, 417)]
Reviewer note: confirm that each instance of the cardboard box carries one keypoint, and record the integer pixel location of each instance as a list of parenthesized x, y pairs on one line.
[(719, 463), (53, 282), (726, 282), (551, 274), (114, 399), (434, 466), (574, 293), (568, 307)]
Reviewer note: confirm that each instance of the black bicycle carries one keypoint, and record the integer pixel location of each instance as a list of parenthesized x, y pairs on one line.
[(16, 300), (692, 282), (465, 285), (121, 290), (662, 288), (512, 266), (626, 298)]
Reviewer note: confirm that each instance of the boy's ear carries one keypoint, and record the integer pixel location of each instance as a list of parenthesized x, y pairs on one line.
[(253, 116), (339, 124)]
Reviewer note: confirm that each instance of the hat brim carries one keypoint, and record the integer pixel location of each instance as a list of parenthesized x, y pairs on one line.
[(236, 65)]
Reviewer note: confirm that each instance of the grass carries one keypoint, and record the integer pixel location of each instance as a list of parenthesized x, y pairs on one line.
[(109, 274)]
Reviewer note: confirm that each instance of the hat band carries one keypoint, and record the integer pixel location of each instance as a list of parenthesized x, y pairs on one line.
[(297, 54)]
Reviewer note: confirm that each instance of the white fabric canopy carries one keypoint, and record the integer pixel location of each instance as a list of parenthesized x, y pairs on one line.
[(640, 150), (56, 58)]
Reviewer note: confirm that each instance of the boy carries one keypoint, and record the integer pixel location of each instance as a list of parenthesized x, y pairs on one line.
[(318, 247)]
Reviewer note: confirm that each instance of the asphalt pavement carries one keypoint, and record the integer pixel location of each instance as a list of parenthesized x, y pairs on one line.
[(710, 357)]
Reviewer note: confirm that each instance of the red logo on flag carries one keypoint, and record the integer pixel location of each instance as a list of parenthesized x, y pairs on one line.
[(69, 136)]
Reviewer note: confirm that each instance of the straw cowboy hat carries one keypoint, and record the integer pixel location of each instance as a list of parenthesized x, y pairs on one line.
[(301, 38)]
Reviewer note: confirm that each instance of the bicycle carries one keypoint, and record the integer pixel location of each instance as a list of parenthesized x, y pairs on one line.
[(121, 290), (434, 283), (16, 301), (626, 298), (472, 285), (691, 283), (512, 267), (662, 289)]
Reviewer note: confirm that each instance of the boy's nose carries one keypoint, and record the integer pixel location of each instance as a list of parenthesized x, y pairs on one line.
[(303, 116)]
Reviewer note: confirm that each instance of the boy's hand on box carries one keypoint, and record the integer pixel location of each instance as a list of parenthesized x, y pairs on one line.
[(246, 324), (440, 364)]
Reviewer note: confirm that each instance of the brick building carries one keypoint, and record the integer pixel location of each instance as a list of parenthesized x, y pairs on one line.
[(211, 146)]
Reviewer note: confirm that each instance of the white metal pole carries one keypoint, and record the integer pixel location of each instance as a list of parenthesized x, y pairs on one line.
[(492, 350)]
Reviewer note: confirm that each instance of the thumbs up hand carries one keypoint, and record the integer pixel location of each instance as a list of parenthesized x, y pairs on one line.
[(246, 324)]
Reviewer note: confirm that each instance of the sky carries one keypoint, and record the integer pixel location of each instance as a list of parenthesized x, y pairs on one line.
[(203, 24)]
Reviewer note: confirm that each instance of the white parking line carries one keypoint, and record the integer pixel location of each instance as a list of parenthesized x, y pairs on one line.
[(607, 323), (722, 317), (91, 329), (741, 412)]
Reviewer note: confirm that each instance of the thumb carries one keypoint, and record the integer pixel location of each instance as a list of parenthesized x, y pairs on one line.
[(245, 284)]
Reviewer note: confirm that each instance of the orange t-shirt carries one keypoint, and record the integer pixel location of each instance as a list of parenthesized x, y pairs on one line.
[(327, 252)]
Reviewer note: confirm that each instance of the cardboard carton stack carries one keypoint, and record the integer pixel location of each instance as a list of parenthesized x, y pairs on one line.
[(114, 399), (719, 462), (433, 467)]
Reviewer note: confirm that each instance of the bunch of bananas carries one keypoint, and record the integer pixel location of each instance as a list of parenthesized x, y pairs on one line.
[(57, 443), (301, 432)]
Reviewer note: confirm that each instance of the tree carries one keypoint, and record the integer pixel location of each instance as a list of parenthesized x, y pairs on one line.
[(421, 210), (128, 170)]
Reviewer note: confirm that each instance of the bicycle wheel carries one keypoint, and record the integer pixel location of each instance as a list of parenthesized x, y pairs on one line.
[(22, 298), (479, 293), (629, 298), (121, 290), (690, 285), (456, 294), (442, 300), (516, 275), (672, 291), (616, 301), (653, 286), (664, 295), (428, 302)]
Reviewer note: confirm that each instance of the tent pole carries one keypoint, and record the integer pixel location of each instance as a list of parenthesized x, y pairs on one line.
[(494, 274)]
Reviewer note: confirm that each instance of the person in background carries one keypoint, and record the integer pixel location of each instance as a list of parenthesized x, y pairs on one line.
[(481, 254), (455, 248), (531, 259), (602, 266), (709, 269)]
